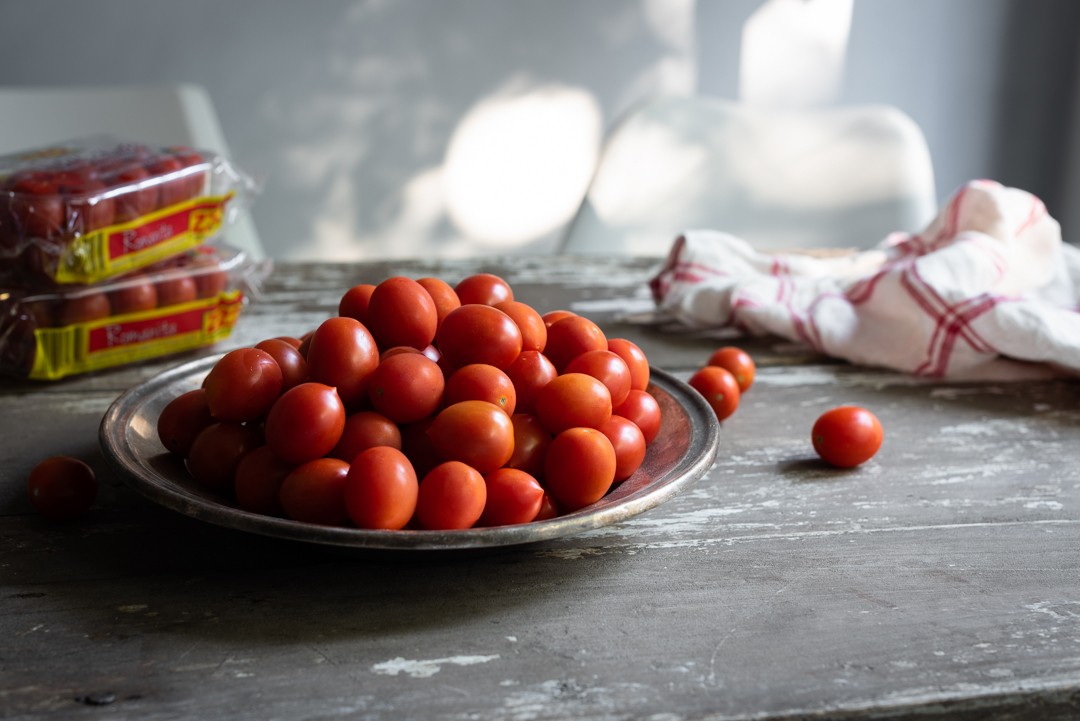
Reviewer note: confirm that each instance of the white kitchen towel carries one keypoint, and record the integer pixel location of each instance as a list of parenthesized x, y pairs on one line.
[(986, 284)]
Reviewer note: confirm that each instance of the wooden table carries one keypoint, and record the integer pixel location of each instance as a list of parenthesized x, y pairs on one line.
[(941, 580)]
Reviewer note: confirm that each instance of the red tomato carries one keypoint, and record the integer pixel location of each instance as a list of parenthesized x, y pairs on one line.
[(417, 446), (737, 362), (513, 497), (481, 382), (172, 186), (635, 360), (406, 387), (478, 334), (452, 496), (354, 304), (176, 290), (483, 288), (257, 481), (242, 385), (37, 205), (381, 490), (83, 309), (314, 492), (548, 508), (719, 388), (217, 451), (292, 364), (571, 337), (134, 201), (629, 444), (442, 294), (305, 423), (474, 432), (642, 409), (579, 467), (133, 297), (182, 419), (529, 322), (554, 316), (61, 488), (607, 367), (364, 430), (531, 441), (847, 436), (401, 312), (530, 372), (343, 354), (573, 399)]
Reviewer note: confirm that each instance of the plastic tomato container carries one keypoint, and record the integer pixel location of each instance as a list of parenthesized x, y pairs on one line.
[(186, 302), (89, 210)]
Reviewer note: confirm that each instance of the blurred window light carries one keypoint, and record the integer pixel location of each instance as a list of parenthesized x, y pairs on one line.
[(518, 164), (793, 52)]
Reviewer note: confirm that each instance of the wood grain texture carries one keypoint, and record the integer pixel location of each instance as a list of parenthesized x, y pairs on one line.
[(939, 581)]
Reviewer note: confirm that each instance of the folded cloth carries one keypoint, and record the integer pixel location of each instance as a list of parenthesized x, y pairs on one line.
[(988, 279)]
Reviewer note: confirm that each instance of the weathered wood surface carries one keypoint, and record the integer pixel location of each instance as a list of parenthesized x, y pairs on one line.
[(941, 580)]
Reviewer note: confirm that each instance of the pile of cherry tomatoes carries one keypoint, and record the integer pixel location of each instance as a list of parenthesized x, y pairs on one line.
[(421, 405)]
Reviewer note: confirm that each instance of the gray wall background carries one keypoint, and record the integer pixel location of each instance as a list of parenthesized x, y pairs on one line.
[(342, 105)]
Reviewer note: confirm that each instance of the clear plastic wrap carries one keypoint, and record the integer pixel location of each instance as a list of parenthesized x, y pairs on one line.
[(89, 210), (187, 301)]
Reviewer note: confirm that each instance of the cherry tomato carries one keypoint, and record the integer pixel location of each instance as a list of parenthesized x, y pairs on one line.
[(292, 364), (314, 492), (443, 294), (406, 387), (513, 497), (579, 467), (354, 304), (133, 297), (381, 489), (417, 446), (479, 334), (641, 408), (83, 309), (37, 205), (481, 382), (474, 432), (209, 283), (629, 444), (635, 360), (847, 436), (483, 288), (257, 481), (173, 188), (134, 202), (305, 423), (737, 362), (554, 316), (401, 312), (182, 419), (529, 322), (548, 509), (61, 488), (242, 385), (176, 290), (531, 441), (607, 367), (573, 399), (364, 430), (530, 372), (217, 451), (452, 496), (343, 354), (719, 388), (571, 337)]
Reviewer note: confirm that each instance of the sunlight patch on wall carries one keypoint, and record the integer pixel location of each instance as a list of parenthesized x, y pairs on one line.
[(517, 165)]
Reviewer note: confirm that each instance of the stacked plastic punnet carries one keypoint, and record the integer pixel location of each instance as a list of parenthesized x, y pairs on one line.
[(114, 252)]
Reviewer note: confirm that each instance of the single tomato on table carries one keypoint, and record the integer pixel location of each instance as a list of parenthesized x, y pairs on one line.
[(847, 436)]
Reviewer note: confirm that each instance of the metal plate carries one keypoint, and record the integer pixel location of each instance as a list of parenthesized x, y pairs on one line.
[(682, 452)]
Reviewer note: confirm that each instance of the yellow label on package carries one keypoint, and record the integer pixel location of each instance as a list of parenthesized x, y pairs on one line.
[(121, 248), (132, 337)]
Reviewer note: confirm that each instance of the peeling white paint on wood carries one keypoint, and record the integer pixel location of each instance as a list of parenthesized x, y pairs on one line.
[(425, 668)]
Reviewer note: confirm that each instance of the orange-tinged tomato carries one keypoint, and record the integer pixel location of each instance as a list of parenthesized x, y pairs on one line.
[(719, 388), (629, 444), (641, 408), (635, 360), (847, 436), (573, 399), (481, 382), (737, 362), (452, 496), (579, 467), (474, 432), (529, 322), (607, 367), (483, 288), (381, 489)]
